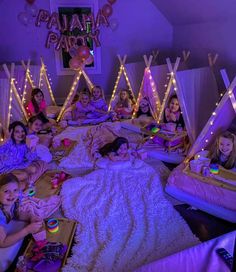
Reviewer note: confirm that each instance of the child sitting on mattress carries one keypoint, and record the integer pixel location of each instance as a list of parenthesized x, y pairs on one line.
[(124, 105), (100, 113), (144, 108), (20, 215), (37, 106), (17, 157), (41, 142), (9, 204), (173, 121), (98, 101), (116, 150), (82, 108), (224, 150), (173, 113)]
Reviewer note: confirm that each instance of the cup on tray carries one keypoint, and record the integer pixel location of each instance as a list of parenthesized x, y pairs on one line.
[(195, 166)]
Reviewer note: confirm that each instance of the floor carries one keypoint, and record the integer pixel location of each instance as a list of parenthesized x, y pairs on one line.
[(203, 225)]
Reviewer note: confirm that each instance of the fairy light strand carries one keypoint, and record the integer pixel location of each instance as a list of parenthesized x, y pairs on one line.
[(203, 137), (70, 95), (44, 75), (122, 70)]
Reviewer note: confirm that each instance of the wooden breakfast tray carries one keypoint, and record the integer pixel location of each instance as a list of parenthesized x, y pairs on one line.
[(64, 235), (166, 135), (224, 179), (43, 186), (62, 151)]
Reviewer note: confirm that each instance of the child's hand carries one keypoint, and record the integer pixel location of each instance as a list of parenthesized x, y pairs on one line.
[(34, 227)]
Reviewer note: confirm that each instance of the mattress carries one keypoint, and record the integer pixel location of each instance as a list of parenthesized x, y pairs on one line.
[(215, 200), (202, 257), (170, 157)]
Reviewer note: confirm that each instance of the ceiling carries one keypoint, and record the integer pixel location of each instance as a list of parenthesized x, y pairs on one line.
[(179, 12)]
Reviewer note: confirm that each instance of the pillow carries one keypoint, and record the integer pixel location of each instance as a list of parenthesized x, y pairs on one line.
[(52, 111)]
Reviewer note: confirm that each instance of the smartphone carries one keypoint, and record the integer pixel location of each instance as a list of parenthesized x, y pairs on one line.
[(226, 257)]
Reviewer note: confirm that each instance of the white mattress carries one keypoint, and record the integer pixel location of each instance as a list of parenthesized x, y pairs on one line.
[(215, 210), (171, 157)]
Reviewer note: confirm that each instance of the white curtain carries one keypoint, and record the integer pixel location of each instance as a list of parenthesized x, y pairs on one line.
[(198, 94), (160, 74), (224, 117), (19, 75), (16, 113), (135, 73), (4, 99)]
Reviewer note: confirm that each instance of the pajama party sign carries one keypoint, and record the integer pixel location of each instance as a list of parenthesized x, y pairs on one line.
[(67, 30)]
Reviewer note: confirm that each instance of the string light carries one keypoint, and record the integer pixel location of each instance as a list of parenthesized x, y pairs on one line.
[(45, 76), (72, 90), (167, 93), (228, 95), (155, 111), (122, 70)]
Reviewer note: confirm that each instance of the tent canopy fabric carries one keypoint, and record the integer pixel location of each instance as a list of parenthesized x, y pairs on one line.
[(221, 119), (11, 108), (148, 89), (35, 76), (198, 93), (122, 81), (80, 74)]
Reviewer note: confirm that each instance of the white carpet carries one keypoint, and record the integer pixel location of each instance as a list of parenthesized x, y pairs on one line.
[(124, 220)]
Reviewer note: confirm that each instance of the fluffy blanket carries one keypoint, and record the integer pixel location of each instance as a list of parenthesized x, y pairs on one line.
[(124, 220), (90, 140)]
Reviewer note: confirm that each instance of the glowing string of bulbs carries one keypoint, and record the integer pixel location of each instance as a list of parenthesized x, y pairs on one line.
[(122, 70), (44, 74), (69, 97), (210, 122), (154, 92)]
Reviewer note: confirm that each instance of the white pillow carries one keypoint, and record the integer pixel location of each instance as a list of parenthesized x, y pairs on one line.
[(43, 153), (53, 111)]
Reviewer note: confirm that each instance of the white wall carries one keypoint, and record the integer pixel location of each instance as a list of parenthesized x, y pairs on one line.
[(201, 39)]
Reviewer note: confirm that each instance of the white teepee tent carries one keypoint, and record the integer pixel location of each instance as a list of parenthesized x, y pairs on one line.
[(11, 108), (148, 89), (73, 89), (36, 76), (212, 195), (122, 71), (220, 119), (197, 93)]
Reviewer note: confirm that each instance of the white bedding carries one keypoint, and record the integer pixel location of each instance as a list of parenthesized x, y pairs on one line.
[(82, 155), (124, 221)]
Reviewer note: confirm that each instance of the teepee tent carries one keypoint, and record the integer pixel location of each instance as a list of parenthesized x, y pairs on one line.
[(11, 108), (122, 71), (196, 90), (160, 72), (36, 76), (75, 84), (213, 195), (220, 120), (148, 89)]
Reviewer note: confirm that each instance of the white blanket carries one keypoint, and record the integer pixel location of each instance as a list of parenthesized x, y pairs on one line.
[(124, 220), (89, 138)]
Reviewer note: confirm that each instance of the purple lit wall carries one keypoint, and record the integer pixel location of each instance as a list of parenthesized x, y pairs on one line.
[(145, 30), (202, 38)]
